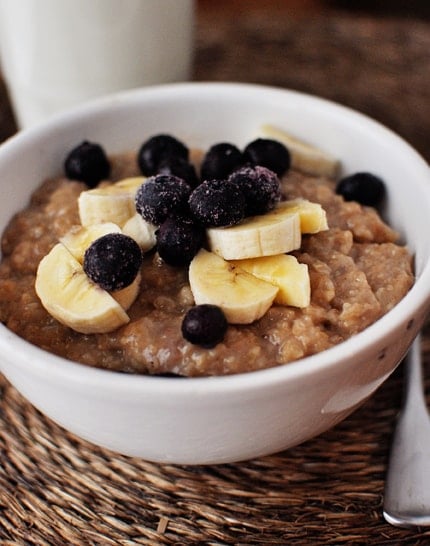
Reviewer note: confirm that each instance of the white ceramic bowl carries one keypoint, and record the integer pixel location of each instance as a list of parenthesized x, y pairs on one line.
[(224, 419)]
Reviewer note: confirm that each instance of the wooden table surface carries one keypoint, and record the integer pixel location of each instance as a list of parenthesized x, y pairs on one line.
[(56, 489)]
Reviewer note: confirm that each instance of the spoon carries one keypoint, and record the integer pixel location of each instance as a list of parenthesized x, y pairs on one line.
[(407, 489)]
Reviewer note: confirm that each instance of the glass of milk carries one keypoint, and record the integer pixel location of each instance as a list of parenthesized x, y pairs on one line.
[(57, 53)]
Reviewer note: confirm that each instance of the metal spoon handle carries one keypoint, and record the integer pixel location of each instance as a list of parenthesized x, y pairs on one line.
[(407, 490)]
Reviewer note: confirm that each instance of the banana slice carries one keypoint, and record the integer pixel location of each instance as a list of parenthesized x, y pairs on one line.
[(126, 296), (304, 156), (285, 272), (141, 231), (70, 297), (79, 238), (275, 232), (313, 218), (111, 203), (243, 297)]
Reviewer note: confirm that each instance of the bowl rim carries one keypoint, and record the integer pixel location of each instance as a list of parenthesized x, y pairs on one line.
[(44, 363)]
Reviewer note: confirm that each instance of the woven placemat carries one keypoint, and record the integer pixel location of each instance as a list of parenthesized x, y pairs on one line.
[(57, 490), (379, 66)]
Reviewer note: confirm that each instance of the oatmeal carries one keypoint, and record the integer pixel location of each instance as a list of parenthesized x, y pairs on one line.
[(357, 273)]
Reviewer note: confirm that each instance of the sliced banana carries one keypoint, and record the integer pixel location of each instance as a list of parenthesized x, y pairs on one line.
[(126, 296), (313, 217), (79, 238), (304, 156), (285, 272), (70, 297), (275, 232), (130, 184), (243, 297), (141, 231), (111, 203)]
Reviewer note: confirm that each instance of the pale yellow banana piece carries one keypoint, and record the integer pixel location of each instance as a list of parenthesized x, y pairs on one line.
[(111, 203), (304, 156), (285, 272), (275, 232), (130, 184), (313, 217), (70, 297), (126, 296), (141, 231), (79, 238), (243, 297)]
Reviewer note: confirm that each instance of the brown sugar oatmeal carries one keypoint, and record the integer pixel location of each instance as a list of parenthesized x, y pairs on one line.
[(357, 271)]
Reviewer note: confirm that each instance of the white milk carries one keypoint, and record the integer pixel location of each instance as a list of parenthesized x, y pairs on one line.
[(57, 53)]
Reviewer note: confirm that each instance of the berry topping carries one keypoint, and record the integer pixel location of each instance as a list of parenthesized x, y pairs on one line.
[(161, 196), (260, 186), (181, 168), (363, 187), (113, 261), (268, 153), (157, 149), (220, 161), (179, 240), (204, 325), (217, 203), (87, 162)]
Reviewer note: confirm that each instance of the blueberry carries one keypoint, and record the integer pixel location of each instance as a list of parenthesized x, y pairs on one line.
[(179, 240), (161, 196), (217, 203), (87, 162), (157, 149), (260, 186), (363, 187), (180, 167), (220, 160), (113, 261), (268, 153), (204, 325)]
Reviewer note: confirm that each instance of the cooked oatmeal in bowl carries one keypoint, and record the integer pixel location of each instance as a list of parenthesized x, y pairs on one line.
[(354, 268), (284, 308)]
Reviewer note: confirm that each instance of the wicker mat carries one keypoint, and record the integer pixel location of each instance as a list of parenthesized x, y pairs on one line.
[(56, 489)]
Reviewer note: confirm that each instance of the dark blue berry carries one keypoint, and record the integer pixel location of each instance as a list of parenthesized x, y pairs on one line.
[(363, 187), (113, 261), (217, 203), (204, 325), (88, 163), (220, 160), (161, 196), (260, 186), (179, 240), (157, 149), (181, 168), (268, 153)]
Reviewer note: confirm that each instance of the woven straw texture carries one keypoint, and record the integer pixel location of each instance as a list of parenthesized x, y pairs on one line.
[(57, 490)]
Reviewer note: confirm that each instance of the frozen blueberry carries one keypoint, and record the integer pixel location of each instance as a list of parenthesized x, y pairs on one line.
[(217, 203), (113, 261), (157, 149), (363, 187), (260, 186), (179, 240), (178, 166), (220, 160), (87, 162), (204, 325), (161, 196), (268, 153)]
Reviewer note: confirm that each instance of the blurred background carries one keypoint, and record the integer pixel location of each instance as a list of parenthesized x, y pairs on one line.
[(405, 8)]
